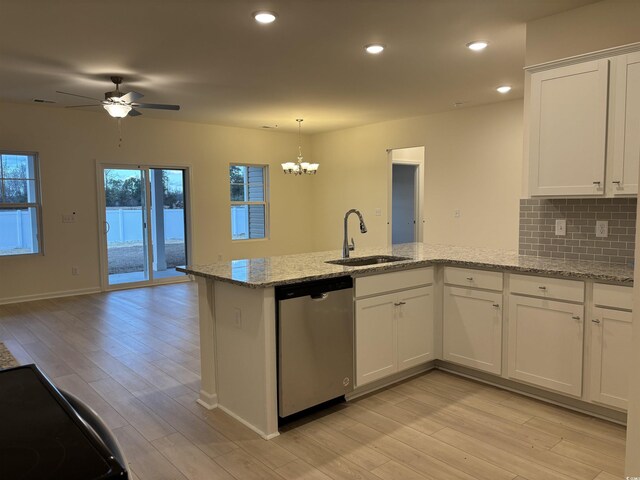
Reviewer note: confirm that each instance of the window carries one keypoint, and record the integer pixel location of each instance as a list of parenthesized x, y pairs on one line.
[(248, 201), (19, 204)]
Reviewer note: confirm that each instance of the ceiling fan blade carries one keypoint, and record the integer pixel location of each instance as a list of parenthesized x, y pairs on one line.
[(158, 106), (80, 106), (134, 113), (131, 97), (81, 96)]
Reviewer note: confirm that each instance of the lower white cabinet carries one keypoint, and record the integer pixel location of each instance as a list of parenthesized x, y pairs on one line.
[(472, 328), (610, 356), (393, 332), (545, 343)]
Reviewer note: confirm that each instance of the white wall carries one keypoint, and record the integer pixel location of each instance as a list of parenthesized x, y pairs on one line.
[(70, 142), (473, 162), (596, 26)]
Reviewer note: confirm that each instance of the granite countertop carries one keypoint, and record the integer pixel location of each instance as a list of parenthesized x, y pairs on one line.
[(287, 269)]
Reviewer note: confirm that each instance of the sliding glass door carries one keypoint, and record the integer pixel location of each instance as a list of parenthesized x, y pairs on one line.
[(145, 234)]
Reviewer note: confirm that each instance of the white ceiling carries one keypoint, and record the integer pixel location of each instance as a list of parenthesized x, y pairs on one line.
[(211, 57)]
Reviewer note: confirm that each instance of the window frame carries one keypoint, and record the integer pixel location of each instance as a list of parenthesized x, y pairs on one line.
[(265, 202), (27, 205)]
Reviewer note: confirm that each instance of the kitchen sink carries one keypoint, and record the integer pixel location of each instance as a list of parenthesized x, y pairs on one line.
[(362, 261)]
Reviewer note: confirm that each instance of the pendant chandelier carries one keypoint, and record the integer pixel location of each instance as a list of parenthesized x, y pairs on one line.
[(300, 167)]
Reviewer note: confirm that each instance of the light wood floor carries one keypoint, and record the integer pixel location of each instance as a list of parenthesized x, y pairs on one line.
[(133, 356)]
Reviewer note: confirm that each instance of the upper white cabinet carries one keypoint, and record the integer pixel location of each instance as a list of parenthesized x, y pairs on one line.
[(626, 132), (584, 126), (568, 134)]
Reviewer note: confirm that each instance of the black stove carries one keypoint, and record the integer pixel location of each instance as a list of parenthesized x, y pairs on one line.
[(43, 437)]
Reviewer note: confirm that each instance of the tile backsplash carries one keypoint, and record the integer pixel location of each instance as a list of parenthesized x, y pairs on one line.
[(537, 229)]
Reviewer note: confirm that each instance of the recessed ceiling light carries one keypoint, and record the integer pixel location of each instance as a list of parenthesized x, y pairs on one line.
[(504, 88), (374, 48), (265, 17), (477, 45)]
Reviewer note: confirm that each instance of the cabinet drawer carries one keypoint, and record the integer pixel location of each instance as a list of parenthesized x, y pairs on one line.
[(467, 277), (392, 281), (613, 296), (569, 290)]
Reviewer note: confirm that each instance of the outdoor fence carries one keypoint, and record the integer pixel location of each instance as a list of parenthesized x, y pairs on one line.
[(16, 230), (125, 225)]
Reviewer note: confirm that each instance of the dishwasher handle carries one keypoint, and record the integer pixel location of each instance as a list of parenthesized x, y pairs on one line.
[(319, 297)]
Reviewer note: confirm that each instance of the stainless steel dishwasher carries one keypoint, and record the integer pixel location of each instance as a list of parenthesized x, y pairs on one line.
[(315, 343)]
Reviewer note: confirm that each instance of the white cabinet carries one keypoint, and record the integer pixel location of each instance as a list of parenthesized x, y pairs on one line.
[(414, 322), (545, 343), (568, 129), (626, 127), (393, 332), (472, 334), (611, 345), (376, 344), (610, 356)]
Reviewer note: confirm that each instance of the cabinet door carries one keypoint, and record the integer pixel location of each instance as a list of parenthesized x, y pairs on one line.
[(473, 328), (545, 343), (376, 352), (626, 142), (414, 318), (610, 356), (568, 129)]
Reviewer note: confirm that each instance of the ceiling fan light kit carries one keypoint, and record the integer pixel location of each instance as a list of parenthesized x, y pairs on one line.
[(119, 104), (117, 110)]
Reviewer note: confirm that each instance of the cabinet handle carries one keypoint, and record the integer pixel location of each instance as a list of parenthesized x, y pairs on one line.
[(576, 317), (597, 183), (595, 320), (542, 287), (470, 279), (617, 182), (399, 303), (497, 305)]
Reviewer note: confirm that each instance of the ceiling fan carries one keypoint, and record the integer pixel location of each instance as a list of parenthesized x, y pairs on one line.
[(120, 104)]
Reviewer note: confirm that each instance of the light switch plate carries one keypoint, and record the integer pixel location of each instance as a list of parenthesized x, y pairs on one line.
[(69, 217), (561, 227), (602, 229)]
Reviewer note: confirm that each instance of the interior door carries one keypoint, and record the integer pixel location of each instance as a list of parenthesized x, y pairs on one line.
[(145, 224), (403, 203)]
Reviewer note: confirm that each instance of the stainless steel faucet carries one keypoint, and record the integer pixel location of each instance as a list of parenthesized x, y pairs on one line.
[(346, 246)]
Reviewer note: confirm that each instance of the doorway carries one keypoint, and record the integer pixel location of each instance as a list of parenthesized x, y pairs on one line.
[(406, 195), (144, 225)]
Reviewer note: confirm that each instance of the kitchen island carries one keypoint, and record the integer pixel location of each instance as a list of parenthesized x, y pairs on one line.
[(237, 311)]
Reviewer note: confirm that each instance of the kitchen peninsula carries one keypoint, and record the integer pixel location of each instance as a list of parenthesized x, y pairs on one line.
[(237, 310)]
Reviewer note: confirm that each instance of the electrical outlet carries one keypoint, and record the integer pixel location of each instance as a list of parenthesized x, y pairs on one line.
[(561, 227), (75, 271), (602, 229), (378, 212)]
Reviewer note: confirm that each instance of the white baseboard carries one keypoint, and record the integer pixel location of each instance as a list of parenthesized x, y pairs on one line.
[(208, 400), (45, 296), (266, 436)]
